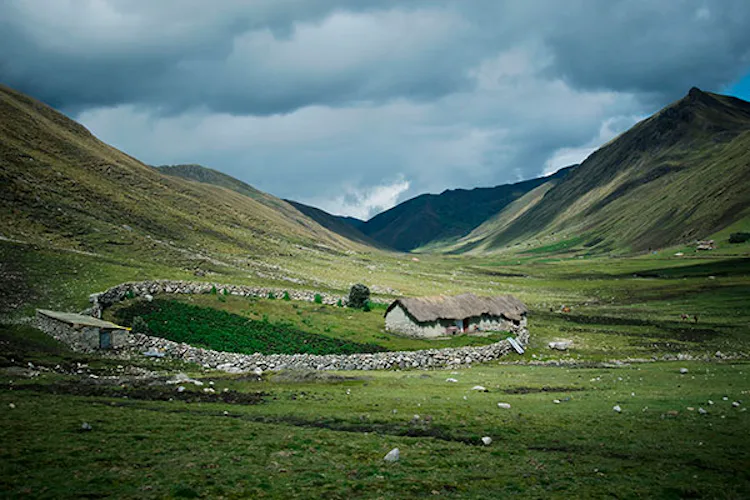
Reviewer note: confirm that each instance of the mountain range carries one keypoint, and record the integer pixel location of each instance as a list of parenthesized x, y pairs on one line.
[(678, 175)]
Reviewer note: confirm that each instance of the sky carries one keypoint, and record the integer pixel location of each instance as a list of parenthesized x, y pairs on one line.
[(354, 106)]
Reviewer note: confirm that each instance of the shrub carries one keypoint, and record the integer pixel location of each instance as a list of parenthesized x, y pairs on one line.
[(318, 299), (366, 307), (139, 325), (286, 296), (339, 304), (129, 294), (226, 292), (358, 296), (739, 237), (271, 295), (213, 290)]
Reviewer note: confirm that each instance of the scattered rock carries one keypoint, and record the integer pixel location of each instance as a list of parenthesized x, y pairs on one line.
[(505, 406), (561, 345), (480, 388), (86, 427), (617, 408), (702, 411), (148, 297), (683, 371), (486, 440), (11, 406), (736, 404), (451, 379), (154, 353), (181, 388), (556, 401), (392, 456)]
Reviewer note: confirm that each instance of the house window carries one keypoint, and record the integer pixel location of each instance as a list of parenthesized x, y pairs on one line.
[(105, 340)]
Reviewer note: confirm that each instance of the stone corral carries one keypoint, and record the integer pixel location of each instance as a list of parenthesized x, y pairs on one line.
[(234, 362)]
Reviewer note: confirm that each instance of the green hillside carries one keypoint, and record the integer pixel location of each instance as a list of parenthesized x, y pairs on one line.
[(60, 186), (431, 218), (680, 175)]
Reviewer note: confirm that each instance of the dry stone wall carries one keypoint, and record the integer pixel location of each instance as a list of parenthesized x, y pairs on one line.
[(237, 363)]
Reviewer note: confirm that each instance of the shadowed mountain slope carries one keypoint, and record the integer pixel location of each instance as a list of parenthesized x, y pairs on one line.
[(431, 218), (681, 174), (348, 227)]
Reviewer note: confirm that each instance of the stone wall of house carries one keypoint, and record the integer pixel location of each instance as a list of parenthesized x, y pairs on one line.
[(398, 320), (85, 339)]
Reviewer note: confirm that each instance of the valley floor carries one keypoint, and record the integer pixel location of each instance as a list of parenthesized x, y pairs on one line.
[(306, 435)]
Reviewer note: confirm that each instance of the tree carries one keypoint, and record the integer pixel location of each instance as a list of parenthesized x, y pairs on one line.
[(359, 296)]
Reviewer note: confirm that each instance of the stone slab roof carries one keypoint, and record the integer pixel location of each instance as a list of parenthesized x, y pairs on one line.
[(80, 320), (461, 307)]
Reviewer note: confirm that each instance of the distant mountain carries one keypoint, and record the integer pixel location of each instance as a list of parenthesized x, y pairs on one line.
[(432, 218), (681, 174), (348, 227), (60, 185)]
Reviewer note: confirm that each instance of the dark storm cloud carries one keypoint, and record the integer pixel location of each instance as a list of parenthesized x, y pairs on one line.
[(355, 105)]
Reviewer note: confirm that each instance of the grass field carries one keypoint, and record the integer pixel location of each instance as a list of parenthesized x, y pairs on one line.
[(304, 435)]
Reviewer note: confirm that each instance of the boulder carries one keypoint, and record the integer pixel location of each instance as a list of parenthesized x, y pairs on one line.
[(392, 456)]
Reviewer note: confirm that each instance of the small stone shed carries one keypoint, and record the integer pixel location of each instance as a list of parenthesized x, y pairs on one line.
[(81, 332), (440, 316)]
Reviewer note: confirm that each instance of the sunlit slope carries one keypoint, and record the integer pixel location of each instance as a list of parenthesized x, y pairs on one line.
[(682, 174), (59, 184)]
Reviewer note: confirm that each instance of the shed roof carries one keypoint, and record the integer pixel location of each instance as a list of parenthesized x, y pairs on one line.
[(80, 320), (461, 307)]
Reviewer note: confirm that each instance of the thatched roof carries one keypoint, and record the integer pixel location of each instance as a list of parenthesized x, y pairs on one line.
[(461, 307)]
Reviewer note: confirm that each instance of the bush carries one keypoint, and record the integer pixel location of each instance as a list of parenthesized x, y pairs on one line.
[(129, 294), (139, 325), (271, 295), (739, 237), (359, 295), (366, 308), (286, 296), (339, 303), (213, 290), (318, 299), (226, 292)]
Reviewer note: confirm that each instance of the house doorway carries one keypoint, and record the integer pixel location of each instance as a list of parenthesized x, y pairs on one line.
[(460, 325), (105, 340)]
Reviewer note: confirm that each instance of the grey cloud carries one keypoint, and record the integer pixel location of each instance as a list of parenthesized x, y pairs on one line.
[(358, 102)]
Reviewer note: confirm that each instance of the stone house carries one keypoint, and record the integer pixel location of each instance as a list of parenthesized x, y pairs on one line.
[(82, 333), (440, 316)]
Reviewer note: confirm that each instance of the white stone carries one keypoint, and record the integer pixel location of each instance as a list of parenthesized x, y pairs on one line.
[(451, 379), (683, 371), (505, 406), (736, 404), (556, 401), (86, 426), (148, 297), (392, 455), (479, 388), (487, 440), (617, 408), (181, 388), (702, 411), (11, 406)]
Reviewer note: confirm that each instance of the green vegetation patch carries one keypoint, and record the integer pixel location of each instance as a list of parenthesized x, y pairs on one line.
[(223, 331)]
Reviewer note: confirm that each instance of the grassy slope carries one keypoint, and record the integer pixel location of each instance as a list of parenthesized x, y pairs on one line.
[(59, 185), (679, 175)]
